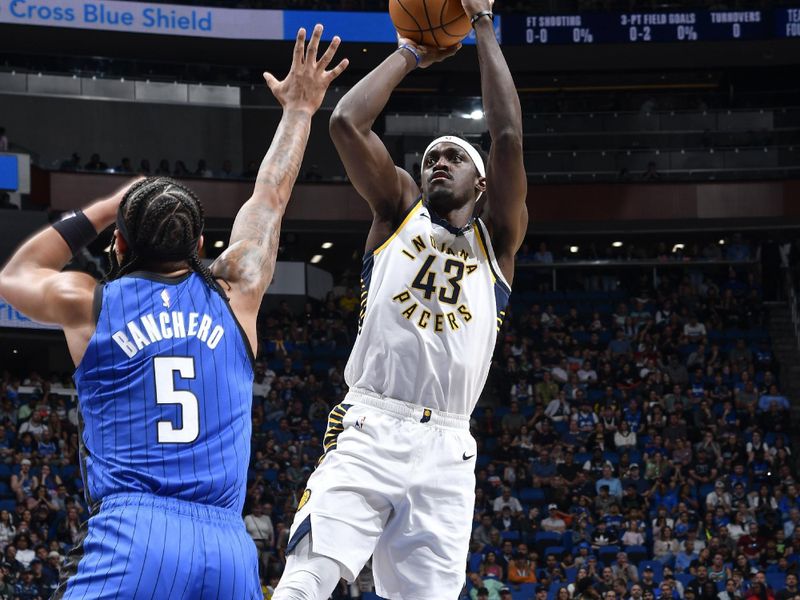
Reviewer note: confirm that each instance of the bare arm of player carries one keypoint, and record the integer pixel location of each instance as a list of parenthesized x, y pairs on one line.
[(506, 212), (249, 262), (388, 189), (32, 281)]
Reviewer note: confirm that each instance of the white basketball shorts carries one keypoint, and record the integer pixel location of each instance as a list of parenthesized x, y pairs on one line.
[(397, 482)]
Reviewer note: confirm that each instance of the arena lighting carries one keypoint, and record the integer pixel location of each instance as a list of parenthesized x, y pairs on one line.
[(677, 247), (573, 249), (722, 242), (617, 244), (476, 114), (219, 244), (327, 245), (315, 259)]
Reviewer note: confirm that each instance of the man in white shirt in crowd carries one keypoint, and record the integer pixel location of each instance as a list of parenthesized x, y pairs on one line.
[(553, 522), (507, 500), (259, 526)]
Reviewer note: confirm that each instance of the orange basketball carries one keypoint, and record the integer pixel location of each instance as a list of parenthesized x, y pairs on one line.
[(437, 23)]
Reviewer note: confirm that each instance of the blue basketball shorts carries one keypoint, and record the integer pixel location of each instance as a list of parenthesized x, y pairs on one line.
[(145, 547)]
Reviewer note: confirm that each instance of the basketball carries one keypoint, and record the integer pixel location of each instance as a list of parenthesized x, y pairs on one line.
[(436, 23)]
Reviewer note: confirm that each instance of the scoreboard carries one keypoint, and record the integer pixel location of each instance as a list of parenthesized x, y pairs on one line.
[(657, 27)]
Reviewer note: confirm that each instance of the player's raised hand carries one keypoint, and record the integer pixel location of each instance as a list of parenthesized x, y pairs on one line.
[(473, 7), (305, 86), (428, 54)]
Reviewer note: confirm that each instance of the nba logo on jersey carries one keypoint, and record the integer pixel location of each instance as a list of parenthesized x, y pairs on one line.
[(165, 298)]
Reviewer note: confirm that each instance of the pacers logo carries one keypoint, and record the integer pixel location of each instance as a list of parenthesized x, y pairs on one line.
[(304, 499)]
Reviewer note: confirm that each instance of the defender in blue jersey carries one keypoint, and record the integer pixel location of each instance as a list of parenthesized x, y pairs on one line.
[(164, 351)]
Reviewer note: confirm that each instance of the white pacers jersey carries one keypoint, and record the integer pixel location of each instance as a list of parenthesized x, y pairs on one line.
[(433, 300)]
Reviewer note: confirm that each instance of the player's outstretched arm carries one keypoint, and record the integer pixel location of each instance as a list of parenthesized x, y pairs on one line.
[(507, 184), (389, 190), (248, 263), (32, 281)]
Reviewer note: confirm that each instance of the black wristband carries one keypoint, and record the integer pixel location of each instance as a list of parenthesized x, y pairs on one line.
[(483, 13), (77, 230)]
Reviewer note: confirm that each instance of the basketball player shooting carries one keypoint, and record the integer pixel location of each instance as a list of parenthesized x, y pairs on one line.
[(397, 477), (164, 352)]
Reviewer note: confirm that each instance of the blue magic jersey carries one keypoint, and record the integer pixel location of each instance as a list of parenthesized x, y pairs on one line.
[(165, 392)]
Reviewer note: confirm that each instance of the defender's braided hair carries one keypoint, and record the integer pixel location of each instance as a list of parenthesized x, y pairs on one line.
[(162, 221)]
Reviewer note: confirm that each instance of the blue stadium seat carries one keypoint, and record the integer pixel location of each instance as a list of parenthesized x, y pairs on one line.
[(5, 471), (531, 495), (684, 578), (636, 554), (474, 562), (8, 505), (557, 550), (547, 538), (527, 591), (777, 581), (608, 554), (510, 535)]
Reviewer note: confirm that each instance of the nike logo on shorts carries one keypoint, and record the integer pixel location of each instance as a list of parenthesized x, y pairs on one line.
[(465, 457)]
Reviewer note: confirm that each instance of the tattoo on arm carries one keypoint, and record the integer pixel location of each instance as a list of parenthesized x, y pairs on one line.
[(281, 165)]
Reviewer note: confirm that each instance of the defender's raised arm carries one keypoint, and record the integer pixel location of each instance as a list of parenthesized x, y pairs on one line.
[(249, 262)]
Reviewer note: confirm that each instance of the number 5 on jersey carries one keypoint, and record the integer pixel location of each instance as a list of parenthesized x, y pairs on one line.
[(165, 368)]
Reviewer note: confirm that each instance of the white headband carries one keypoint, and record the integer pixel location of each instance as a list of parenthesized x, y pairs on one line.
[(464, 145)]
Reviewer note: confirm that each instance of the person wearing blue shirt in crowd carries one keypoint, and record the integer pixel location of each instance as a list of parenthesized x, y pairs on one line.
[(613, 483), (766, 400)]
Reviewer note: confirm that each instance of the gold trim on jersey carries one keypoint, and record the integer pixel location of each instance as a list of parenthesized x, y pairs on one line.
[(335, 426), (483, 248), (414, 210)]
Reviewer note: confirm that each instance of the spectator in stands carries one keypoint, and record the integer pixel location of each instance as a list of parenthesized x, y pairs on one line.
[(124, 166), (543, 255), (553, 521), (506, 499), (737, 249), (491, 568), (259, 527), (521, 570), (666, 547), (602, 536), (164, 168), (144, 167), (513, 421), (95, 164), (202, 169), (181, 170), (621, 344), (482, 535), (625, 570), (609, 480), (651, 173), (226, 172), (752, 544), (773, 397), (3, 140)]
